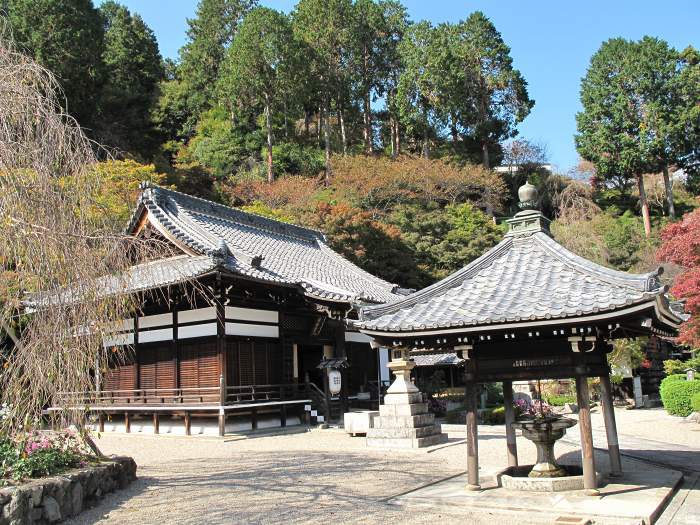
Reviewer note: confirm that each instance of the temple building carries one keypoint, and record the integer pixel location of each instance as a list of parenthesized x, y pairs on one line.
[(271, 317), (527, 309)]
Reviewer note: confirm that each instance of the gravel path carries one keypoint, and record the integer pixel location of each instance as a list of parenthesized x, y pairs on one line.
[(291, 478)]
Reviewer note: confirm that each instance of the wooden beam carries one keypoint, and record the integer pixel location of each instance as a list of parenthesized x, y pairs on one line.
[(472, 428), (590, 482), (610, 426), (188, 424), (510, 418)]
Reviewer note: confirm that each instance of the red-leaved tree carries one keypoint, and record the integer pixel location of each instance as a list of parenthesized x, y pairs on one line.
[(681, 245)]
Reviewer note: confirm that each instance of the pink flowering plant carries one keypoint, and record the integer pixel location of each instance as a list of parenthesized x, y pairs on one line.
[(41, 453), (535, 409)]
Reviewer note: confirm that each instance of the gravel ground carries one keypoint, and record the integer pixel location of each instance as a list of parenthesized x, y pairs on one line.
[(306, 477), (291, 478)]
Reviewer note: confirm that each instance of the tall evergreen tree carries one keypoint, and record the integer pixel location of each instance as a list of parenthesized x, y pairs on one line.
[(261, 69), (65, 36), (210, 33), (133, 67), (491, 96), (325, 26)]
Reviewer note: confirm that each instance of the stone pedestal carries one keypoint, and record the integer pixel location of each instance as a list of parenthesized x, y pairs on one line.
[(404, 420)]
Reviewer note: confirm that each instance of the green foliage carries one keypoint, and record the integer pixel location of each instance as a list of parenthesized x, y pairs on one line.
[(67, 38), (290, 158), (445, 240), (260, 208), (433, 384), (676, 366), (493, 416), (695, 402), (676, 396), (456, 416), (39, 454), (560, 400), (133, 69)]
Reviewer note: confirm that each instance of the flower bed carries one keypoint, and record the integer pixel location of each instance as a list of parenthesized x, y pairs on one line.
[(70, 476)]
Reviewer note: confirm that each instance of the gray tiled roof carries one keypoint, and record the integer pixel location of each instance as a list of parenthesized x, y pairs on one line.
[(261, 248), (526, 277), (446, 359)]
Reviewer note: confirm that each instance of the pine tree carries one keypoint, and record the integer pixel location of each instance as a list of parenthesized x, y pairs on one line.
[(65, 36), (133, 68)]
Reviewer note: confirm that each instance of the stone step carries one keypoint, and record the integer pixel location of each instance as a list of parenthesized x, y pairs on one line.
[(420, 420), (403, 410), (418, 432), (406, 443)]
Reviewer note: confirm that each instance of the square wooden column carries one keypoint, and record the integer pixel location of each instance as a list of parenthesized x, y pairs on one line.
[(510, 418), (590, 482), (472, 425), (610, 426)]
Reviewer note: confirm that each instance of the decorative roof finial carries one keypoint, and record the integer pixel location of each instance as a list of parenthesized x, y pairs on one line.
[(527, 193), (221, 252)]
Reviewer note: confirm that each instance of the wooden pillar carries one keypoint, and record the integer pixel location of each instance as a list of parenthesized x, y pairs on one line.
[(254, 418), (188, 424), (283, 416), (222, 403), (472, 427), (221, 332), (610, 426), (127, 422), (101, 422), (590, 483), (156, 423), (510, 418)]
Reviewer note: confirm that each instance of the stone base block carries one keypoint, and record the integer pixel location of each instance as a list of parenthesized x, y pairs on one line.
[(403, 399), (420, 420), (407, 442), (418, 432), (403, 410)]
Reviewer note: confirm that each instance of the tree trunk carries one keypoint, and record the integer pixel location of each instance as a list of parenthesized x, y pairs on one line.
[(644, 204), (426, 147), (341, 121), (319, 120), (307, 121), (268, 125), (397, 136), (392, 135), (286, 123), (327, 141), (369, 147), (485, 155), (669, 193)]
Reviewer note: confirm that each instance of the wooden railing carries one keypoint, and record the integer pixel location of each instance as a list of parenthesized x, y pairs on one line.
[(218, 395)]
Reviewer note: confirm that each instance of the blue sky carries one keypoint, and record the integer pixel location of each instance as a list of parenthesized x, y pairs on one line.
[(551, 42)]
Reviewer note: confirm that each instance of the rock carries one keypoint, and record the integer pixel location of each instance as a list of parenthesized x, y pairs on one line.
[(18, 506), (52, 512), (36, 492), (692, 418), (77, 499), (6, 495), (571, 408), (35, 514)]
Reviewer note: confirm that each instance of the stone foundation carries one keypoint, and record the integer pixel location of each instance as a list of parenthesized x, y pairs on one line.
[(54, 499), (404, 420)]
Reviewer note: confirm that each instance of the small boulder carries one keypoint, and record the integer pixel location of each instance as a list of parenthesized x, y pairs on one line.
[(52, 512)]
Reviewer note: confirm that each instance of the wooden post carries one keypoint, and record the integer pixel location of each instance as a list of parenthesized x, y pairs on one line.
[(610, 426), (101, 421), (590, 483), (254, 418), (472, 427), (283, 416), (127, 422), (327, 392), (510, 418), (188, 424), (222, 402), (156, 423)]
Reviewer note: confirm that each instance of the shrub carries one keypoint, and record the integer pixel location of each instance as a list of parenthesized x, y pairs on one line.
[(676, 396), (676, 366), (695, 402), (456, 416), (668, 380), (560, 400), (493, 416)]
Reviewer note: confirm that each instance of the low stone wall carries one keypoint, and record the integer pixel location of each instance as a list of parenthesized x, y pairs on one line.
[(51, 500)]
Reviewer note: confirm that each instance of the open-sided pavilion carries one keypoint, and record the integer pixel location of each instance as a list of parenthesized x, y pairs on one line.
[(528, 309)]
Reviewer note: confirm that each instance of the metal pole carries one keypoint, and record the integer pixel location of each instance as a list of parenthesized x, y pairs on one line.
[(610, 426), (510, 419)]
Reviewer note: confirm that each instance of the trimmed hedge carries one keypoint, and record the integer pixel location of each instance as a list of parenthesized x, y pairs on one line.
[(560, 400), (676, 396), (668, 380), (695, 402)]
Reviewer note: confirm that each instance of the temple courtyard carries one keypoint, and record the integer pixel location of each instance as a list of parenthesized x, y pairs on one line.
[(297, 476)]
